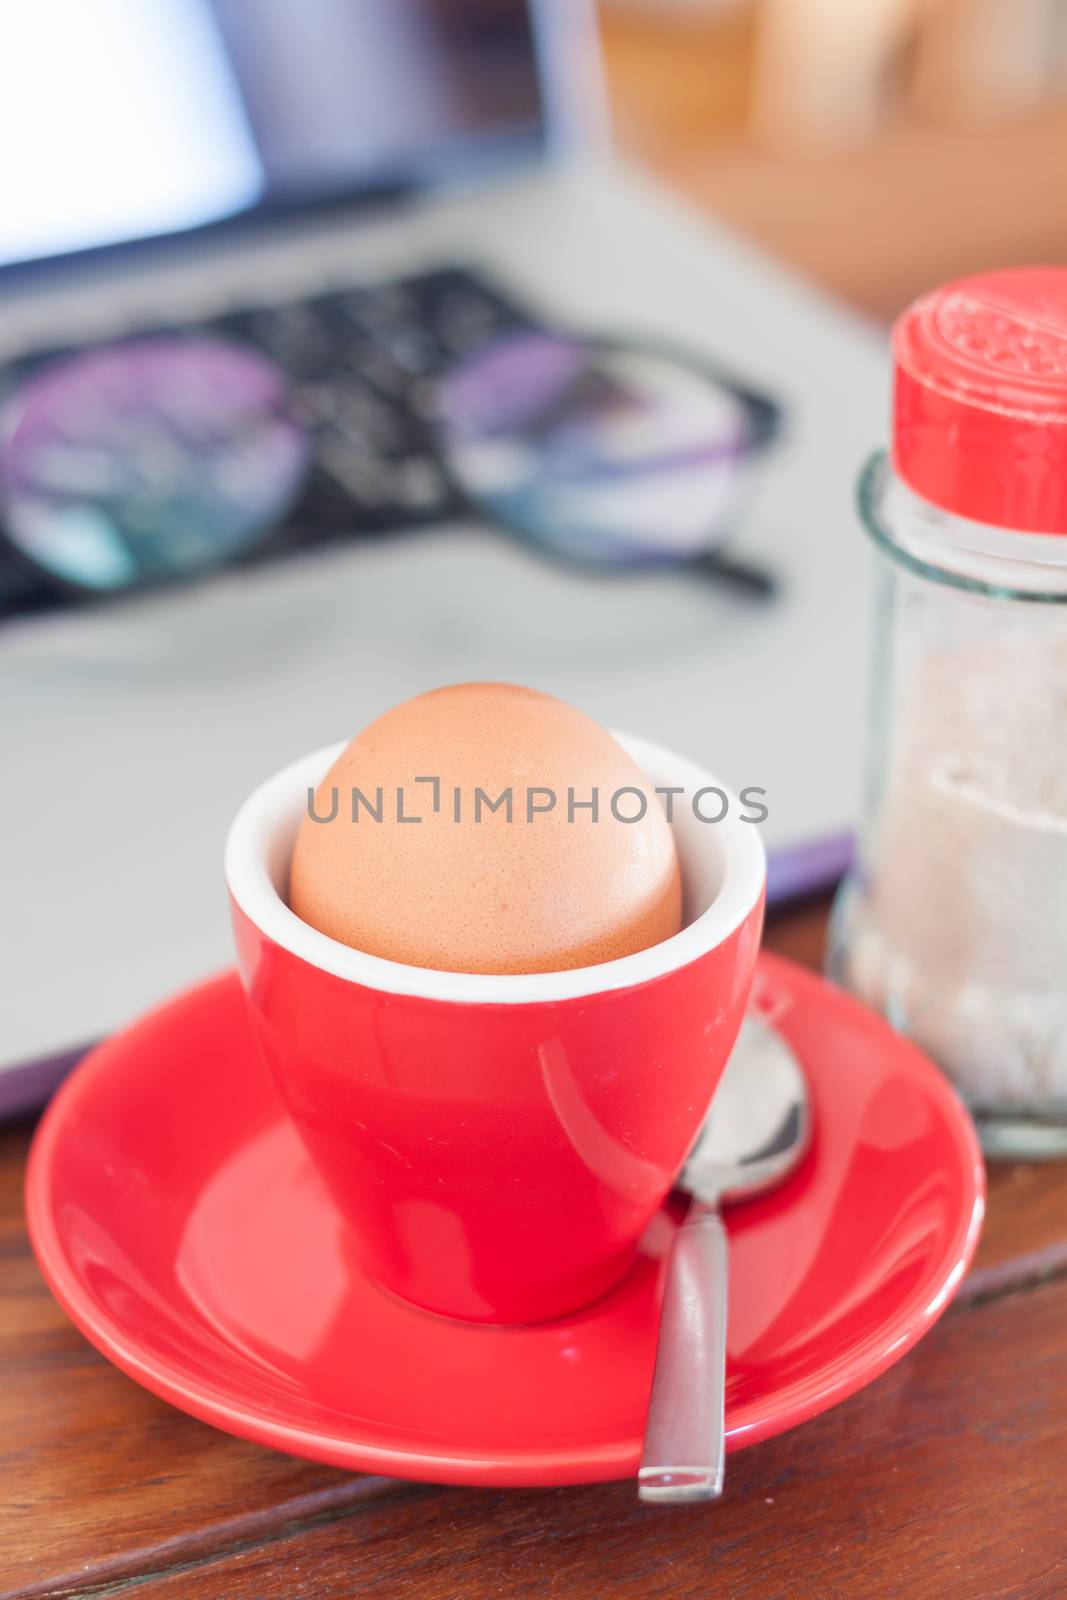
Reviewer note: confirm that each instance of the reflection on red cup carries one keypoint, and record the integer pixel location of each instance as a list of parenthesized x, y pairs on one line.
[(498, 1144)]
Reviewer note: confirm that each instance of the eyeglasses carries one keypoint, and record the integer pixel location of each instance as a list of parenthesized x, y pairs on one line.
[(148, 461), (605, 453), (156, 460)]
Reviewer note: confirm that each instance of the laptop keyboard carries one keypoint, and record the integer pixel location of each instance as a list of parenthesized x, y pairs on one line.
[(361, 363)]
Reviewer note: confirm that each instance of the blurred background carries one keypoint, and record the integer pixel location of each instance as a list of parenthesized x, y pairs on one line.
[(352, 347), (879, 146)]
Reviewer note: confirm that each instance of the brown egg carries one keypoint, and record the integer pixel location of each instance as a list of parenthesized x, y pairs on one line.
[(467, 888)]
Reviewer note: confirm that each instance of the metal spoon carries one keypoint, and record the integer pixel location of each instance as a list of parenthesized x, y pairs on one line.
[(756, 1129)]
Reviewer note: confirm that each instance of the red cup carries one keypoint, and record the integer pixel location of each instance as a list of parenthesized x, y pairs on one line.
[(498, 1144)]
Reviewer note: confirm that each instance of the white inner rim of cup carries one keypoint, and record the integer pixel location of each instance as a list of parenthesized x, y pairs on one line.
[(723, 870)]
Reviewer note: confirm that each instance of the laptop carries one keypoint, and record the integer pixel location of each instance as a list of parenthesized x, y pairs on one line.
[(225, 164)]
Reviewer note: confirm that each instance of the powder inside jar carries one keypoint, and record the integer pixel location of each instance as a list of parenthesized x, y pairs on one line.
[(962, 940)]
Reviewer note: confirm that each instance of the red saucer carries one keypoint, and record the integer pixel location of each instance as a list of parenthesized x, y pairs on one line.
[(180, 1225)]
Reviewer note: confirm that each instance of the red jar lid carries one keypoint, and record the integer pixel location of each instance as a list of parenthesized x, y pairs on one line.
[(980, 398)]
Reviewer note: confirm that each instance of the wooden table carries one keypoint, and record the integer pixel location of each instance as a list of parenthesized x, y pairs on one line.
[(914, 203), (946, 1478)]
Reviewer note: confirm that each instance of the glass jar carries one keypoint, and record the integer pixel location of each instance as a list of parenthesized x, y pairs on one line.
[(953, 920)]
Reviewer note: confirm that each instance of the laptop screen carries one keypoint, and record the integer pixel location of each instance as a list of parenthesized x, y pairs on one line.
[(131, 119)]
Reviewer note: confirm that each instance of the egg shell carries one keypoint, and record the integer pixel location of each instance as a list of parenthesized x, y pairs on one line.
[(468, 888)]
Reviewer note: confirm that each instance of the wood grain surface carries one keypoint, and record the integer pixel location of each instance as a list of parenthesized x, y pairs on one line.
[(944, 1478)]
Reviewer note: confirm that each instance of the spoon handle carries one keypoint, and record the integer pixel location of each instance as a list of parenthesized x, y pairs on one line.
[(685, 1435)]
